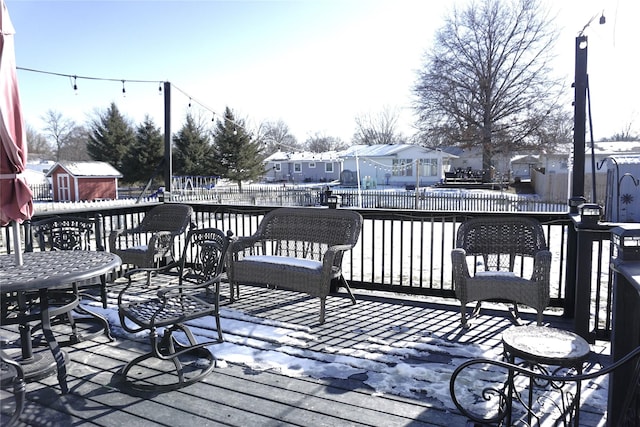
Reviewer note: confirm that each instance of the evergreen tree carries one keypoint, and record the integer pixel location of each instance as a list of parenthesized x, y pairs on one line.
[(193, 151), (236, 155), (145, 154), (110, 137)]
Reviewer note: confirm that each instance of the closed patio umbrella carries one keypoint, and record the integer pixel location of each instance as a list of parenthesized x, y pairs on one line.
[(16, 202)]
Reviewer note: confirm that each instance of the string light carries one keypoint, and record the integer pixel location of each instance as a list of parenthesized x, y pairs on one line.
[(160, 84), (75, 85)]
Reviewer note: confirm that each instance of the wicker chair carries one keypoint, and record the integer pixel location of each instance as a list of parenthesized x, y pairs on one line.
[(142, 308), (68, 233), (501, 258), (153, 239), (299, 249)]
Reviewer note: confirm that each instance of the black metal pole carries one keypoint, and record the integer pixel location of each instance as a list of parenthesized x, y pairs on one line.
[(580, 117), (577, 177), (168, 168)]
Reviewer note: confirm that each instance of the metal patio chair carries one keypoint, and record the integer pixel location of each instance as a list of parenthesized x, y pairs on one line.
[(167, 311)]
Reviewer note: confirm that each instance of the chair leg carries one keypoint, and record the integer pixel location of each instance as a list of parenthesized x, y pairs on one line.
[(217, 313), (234, 291), (323, 301), (98, 318), (18, 383), (344, 283), (170, 349), (464, 319), (463, 316)]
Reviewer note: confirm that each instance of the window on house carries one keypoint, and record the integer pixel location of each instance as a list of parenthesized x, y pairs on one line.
[(428, 167), (312, 165), (297, 167), (402, 167), (277, 167), (328, 167)]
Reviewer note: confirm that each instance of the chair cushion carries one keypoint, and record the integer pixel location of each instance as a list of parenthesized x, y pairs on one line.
[(495, 273), (140, 248), (283, 260)]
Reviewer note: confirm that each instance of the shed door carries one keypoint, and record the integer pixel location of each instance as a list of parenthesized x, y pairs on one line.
[(64, 192)]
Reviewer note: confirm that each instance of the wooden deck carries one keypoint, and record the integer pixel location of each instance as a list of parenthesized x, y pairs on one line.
[(237, 395)]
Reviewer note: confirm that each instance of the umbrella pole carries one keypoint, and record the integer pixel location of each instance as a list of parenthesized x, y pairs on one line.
[(17, 244)]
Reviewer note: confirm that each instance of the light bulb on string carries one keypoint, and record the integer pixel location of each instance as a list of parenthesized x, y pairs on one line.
[(189, 102), (159, 88), (124, 92), (75, 84)]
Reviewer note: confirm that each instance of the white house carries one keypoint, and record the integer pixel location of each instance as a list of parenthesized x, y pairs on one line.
[(551, 178), (394, 165), (303, 167)]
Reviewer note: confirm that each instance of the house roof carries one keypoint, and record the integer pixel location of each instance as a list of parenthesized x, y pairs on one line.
[(525, 158), (87, 169), (614, 147), (306, 156), (381, 150)]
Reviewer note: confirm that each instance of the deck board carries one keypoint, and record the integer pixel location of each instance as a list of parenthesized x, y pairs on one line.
[(236, 395)]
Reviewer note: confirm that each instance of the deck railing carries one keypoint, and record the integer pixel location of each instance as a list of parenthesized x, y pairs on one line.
[(404, 251)]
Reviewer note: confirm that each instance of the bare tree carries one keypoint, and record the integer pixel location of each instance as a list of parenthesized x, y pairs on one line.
[(320, 143), (487, 79), (276, 136), (75, 145), (37, 145), (627, 133), (58, 129), (378, 128)]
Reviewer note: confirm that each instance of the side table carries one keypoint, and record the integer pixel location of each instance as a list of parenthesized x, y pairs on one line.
[(541, 348)]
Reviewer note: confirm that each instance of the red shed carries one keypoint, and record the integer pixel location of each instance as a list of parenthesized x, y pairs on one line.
[(78, 181)]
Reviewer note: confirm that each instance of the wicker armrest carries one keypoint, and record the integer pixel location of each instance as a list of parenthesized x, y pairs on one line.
[(459, 262), (542, 266), (161, 240), (242, 243)]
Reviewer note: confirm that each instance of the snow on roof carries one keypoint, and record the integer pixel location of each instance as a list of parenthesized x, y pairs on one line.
[(614, 147), (525, 158), (379, 150), (626, 160), (303, 156), (95, 169)]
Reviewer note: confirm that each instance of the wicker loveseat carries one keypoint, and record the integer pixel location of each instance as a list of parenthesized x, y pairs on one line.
[(501, 258), (299, 249)]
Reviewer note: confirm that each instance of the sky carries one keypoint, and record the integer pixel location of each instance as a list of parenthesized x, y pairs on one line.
[(314, 64)]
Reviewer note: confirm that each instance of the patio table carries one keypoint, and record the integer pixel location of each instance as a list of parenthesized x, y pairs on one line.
[(542, 347), (41, 272)]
